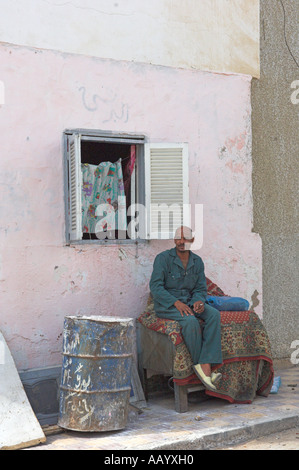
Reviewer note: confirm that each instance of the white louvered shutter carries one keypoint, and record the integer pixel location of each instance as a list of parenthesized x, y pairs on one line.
[(75, 187), (167, 189)]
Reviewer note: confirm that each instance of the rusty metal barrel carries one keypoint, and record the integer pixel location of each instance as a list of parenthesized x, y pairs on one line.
[(96, 373)]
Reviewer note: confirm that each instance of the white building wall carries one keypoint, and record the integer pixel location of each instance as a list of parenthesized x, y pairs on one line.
[(215, 35)]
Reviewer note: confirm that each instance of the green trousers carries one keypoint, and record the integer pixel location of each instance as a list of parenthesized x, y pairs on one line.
[(203, 342)]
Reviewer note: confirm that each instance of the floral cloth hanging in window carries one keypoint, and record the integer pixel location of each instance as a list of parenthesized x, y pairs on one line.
[(102, 184), (128, 170)]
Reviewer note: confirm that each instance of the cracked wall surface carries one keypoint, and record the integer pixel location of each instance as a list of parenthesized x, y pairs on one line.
[(275, 122)]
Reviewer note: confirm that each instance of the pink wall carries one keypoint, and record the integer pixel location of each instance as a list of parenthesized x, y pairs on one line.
[(41, 279)]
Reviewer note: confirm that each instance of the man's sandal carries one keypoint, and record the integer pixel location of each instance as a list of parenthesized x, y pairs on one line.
[(215, 377), (204, 378)]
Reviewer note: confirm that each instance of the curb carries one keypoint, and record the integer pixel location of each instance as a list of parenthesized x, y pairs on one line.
[(228, 436)]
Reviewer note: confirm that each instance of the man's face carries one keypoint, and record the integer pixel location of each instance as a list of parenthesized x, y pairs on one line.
[(183, 239)]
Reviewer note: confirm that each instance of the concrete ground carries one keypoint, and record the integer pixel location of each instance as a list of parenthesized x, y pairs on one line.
[(210, 424), (284, 440)]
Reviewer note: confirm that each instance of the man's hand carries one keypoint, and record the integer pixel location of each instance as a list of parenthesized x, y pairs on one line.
[(198, 306), (183, 308)]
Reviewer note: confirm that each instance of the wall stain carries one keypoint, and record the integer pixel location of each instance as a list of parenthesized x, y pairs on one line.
[(254, 300)]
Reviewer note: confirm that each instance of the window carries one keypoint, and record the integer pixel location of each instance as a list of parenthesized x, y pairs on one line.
[(121, 187)]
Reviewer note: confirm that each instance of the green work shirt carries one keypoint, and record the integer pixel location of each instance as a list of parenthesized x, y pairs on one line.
[(170, 281)]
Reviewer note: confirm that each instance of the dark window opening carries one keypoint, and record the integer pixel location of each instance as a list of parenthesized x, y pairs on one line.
[(94, 153)]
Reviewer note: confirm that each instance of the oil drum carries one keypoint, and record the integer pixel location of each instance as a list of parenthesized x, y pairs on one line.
[(96, 373)]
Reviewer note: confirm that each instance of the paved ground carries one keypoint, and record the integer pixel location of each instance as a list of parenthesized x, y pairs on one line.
[(210, 424), (285, 440)]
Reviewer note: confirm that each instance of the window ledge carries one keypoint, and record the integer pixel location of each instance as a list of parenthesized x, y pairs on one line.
[(108, 242)]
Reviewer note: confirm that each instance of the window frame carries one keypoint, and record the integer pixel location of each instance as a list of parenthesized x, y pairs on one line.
[(142, 178)]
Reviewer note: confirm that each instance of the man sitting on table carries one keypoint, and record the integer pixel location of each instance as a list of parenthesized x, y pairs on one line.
[(179, 289)]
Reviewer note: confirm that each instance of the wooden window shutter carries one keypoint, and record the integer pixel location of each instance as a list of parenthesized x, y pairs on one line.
[(167, 189), (75, 187)]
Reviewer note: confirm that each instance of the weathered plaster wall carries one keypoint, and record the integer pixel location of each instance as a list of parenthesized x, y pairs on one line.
[(276, 169), (219, 35), (42, 280)]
